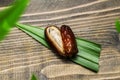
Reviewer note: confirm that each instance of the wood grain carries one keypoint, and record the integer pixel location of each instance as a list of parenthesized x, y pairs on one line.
[(20, 55)]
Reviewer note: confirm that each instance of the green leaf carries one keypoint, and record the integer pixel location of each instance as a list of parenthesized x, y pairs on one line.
[(33, 77), (89, 52), (36, 33), (10, 16), (86, 63), (117, 24), (4, 30)]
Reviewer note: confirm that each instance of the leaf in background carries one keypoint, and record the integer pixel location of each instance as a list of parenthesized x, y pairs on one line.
[(89, 52), (117, 24), (9, 16), (33, 77), (4, 30)]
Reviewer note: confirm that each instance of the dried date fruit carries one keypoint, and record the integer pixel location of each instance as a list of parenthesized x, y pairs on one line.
[(68, 38), (61, 40), (54, 38)]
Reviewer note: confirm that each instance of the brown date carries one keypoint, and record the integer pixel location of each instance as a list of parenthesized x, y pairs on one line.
[(68, 38), (61, 40)]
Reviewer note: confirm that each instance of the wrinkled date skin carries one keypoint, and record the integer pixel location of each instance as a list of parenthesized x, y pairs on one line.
[(70, 45), (62, 40)]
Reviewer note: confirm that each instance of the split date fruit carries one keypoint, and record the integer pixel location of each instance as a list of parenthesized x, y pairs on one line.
[(62, 40)]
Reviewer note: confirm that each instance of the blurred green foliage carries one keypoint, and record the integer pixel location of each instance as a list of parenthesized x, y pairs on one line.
[(10, 15)]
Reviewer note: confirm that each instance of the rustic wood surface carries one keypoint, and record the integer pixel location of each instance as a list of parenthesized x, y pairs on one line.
[(20, 55)]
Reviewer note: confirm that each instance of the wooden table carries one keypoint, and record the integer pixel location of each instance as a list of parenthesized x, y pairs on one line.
[(21, 56)]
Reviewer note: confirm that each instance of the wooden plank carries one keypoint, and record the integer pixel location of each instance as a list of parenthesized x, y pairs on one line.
[(5, 2), (20, 55)]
